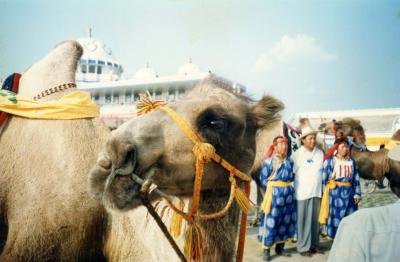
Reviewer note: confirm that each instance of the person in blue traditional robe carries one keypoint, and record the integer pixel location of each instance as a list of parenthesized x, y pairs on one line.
[(278, 221), (342, 191)]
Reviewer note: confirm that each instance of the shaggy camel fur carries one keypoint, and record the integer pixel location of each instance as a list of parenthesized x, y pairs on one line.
[(46, 211)]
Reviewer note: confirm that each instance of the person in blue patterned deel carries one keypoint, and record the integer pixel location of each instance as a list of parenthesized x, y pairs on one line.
[(278, 221), (342, 191)]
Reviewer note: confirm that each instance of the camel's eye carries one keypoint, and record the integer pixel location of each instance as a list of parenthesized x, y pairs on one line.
[(219, 125)]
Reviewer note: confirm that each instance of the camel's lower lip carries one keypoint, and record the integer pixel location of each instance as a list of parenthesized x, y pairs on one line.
[(122, 192)]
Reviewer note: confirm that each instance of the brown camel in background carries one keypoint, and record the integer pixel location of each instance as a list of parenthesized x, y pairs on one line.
[(371, 165)]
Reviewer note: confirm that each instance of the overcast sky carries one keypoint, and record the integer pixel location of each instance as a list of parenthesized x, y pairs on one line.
[(313, 55)]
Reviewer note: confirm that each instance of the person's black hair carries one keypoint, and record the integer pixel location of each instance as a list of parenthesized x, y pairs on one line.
[(341, 140), (276, 138)]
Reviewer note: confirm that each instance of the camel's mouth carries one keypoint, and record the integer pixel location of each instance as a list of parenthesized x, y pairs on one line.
[(119, 176), (129, 184), (121, 192), (124, 185), (150, 180), (113, 183)]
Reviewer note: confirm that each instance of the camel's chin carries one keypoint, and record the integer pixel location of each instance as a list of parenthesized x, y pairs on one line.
[(133, 204)]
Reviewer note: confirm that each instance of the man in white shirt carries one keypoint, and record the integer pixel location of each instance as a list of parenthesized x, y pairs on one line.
[(308, 164), (371, 234)]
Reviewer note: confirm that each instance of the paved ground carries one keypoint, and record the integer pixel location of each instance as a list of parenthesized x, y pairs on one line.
[(253, 250)]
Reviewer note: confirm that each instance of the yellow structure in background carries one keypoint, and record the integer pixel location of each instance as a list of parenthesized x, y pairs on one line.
[(379, 124)]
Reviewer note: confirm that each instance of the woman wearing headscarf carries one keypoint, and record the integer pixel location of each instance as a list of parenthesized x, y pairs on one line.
[(341, 183), (278, 221)]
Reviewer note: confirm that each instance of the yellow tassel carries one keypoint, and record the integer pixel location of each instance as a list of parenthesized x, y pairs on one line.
[(193, 243), (146, 104), (176, 221), (242, 200)]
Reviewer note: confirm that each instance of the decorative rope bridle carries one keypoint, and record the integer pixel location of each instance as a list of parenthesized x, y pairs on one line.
[(53, 90), (204, 152)]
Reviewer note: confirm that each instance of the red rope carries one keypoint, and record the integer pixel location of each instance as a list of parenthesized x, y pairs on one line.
[(3, 117), (16, 82), (242, 232)]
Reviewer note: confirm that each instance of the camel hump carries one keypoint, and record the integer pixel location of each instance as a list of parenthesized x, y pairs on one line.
[(57, 68)]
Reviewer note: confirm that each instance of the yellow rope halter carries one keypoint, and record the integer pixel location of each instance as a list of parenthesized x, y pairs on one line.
[(204, 152)]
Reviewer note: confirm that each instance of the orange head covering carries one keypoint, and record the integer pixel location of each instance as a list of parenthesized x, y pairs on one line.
[(335, 147), (272, 147)]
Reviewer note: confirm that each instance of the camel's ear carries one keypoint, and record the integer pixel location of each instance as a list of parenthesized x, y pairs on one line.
[(267, 111)]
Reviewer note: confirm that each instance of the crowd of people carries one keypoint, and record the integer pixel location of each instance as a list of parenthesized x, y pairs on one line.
[(306, 194)]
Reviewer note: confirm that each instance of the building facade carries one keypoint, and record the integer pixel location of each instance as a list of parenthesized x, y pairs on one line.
[(100, 74)]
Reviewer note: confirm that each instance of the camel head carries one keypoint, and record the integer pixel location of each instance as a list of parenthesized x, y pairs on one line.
[(57, 68), (153, 146), (347, 127)]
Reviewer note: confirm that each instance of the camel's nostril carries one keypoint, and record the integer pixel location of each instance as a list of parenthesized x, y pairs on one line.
[(129, 163), (121, 152)]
